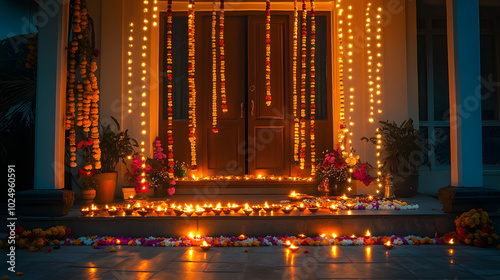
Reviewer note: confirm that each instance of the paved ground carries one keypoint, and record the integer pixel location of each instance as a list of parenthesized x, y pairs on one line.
[(329, 262)]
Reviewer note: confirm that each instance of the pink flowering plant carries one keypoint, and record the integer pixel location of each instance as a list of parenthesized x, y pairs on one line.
[(159, 175), (339, 165), (86, 172)]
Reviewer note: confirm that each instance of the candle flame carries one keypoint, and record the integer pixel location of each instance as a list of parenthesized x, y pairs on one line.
[(218, 206), (293, 246), (368, 234), (322, 235), (334, 235), (293, 193), (266, 205), (118, 241), (204, 243), (388, 243), (451, 241), (287, 242), (353, 236), (191, 235)]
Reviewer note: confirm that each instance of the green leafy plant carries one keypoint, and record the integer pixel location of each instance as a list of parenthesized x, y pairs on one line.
[(115, 146), (402, 147)]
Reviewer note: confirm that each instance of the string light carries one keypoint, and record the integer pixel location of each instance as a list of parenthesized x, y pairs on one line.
[(378, 87), (350, 47), (130, 46), (214, 70), (303, 87), (313, 89), (268, 52), (296, 124), (191, 82), (222, 59), (170, 137), (155, 13), (369, 69), (342, 133), (144, 79)]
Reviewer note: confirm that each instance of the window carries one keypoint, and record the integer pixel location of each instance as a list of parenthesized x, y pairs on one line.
[(433, 84)]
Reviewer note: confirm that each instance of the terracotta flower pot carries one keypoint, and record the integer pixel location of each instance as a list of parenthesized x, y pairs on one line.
[(87, 195), (105, 187)]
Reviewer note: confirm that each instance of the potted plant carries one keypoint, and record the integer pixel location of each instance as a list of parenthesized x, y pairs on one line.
[(180, 169), (115, 147), (402, 153)]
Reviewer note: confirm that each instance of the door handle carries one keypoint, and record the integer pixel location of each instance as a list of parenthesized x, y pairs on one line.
[(242, 110), (252, 106)]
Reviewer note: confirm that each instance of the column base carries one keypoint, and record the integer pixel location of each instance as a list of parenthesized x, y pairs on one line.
[(44, 203), (462, 199)]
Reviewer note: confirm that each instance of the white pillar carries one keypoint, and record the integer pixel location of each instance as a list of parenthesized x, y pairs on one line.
[(51, 94), (465, 106)]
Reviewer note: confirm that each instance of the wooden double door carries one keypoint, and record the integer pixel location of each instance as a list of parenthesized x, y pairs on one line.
[(253, 138)]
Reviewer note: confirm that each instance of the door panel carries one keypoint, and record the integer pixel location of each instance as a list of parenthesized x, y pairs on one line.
[(267, 126), (225, 153)]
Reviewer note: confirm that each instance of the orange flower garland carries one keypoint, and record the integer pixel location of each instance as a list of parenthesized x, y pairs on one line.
[(303, 87), (222, 59), (268, 52), (191, 82), (87, 98), (313, 89), (296, 124), (214, 70), (170, 137)]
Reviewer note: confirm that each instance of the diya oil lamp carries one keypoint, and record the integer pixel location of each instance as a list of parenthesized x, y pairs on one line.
[(226, 210), (217, 210), (287, 210), (105, 209), (333, 208), (242, 237), (301, 236), (170, 209), (205, 246), (189, 211), (178, 211), (137, 206), (301, 207), (313, 208), (256, 208), (368, 235), (235, 208), (294, 196), (451, 242), (276, 207), (150, 209), (95, 210), (113, 211), (129, 210), (294, 248), (85, 211), (388, 245), (160, 211), (267, 208), (248, 210), (199, 211), (143, 212), (208, 208), (287, 244)]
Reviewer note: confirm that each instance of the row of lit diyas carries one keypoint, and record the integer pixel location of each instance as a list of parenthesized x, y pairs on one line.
[(190, 210), (293, 243), (249, 177)]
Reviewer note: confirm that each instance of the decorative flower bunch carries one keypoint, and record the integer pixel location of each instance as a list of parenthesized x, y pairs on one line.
[(159, 173), (138, 175), (37, 238), (180, 165), (339, 164), (475, 228), (85, 173)]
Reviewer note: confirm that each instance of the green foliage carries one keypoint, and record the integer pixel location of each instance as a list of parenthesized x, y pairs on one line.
[(115, 146), (402, 146)]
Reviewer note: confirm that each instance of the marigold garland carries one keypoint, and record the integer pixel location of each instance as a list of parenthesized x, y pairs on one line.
[(296, 124), (170, 138), (222, 59), (87, 106), (313, 89), (303, 75), (268, 52), (191, 81), (214, 70)]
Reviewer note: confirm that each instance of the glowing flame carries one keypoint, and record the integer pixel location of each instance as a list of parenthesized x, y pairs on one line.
[(293, 247), (204, 244), (322, 235), (334, 235), (353, 236), (266, 205), (388, 243), (368, 234), (451, 242), (191, 235), (293, 193), (118, 241), (288, 242), (218, 206)]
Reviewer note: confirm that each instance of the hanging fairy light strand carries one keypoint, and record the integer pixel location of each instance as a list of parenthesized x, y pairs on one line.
[(303, 75), (191, 82), (170, 136), (145, 10), (130, 66), (343, 129), (222, 55), (369, 63), (350, 47), (378, 87), (268, 52), (214, 68), (296, 124), (313, 89)]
